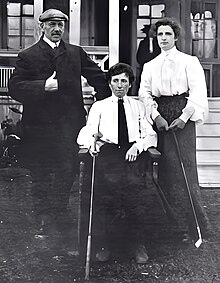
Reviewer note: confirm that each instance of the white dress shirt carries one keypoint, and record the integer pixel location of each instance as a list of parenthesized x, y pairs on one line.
[(103, 118), (173, 73)]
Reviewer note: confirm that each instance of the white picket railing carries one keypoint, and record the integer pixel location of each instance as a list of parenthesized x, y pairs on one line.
[(5, 73)]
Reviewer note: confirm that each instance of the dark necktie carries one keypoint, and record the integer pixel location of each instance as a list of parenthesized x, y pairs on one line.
[(56, 49), (122, 124)]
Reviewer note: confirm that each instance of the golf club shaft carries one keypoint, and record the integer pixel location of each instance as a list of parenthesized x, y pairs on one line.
[(81, 176), (89, 240)]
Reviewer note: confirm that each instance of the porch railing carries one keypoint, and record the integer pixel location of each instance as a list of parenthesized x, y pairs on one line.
[(5, 73)]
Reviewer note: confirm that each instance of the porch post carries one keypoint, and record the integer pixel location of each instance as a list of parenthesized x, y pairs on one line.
[(38, 9), (74, 22), (113, 32)]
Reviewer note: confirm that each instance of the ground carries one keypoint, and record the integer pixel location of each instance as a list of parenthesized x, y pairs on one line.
[(27, 255)]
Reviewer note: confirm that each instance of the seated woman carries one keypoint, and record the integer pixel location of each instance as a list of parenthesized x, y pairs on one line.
[(123, 134)]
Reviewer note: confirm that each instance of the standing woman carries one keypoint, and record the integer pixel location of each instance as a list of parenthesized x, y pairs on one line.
[(173, 89)]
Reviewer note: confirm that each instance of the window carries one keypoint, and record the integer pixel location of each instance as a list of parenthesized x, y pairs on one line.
[(20, 24), (147, 14), (204, 29)]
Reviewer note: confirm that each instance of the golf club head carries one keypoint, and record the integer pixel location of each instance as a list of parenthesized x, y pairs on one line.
[(198, 243)]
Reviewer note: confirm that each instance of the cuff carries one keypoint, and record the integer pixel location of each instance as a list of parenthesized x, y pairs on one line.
[(154, 114), (139, 146), (187, 113)]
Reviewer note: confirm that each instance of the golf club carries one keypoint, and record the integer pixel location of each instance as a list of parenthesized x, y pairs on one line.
[(199, 241), (89, 239)]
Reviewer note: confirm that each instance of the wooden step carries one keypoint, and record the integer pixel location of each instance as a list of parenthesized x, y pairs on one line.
[(214, 103), (209, 175), (208, 129), (208, 156), (214, 116), (207, 142)]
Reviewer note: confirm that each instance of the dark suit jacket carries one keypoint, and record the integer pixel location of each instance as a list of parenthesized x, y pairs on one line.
[(36, 64)]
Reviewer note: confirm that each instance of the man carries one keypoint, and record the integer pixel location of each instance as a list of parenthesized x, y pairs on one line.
[(120, 188), (147, 50), (148, 47), (47, 81), (173, 89)]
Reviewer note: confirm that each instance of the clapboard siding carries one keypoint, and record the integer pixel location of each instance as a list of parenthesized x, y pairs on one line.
[(208, 130), (208, 147), (208, 143)]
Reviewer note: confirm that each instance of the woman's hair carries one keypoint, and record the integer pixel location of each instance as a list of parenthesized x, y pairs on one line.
[(169, 22), (120, 68)]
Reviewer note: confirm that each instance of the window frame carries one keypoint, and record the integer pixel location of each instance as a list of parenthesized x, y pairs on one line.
[(217, 18), (21, 17)]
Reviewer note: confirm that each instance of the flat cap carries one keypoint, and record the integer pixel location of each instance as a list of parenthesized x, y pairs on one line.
[(53, 14)]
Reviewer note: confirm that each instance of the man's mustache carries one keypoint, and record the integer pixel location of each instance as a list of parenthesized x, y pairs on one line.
[(56, 33)]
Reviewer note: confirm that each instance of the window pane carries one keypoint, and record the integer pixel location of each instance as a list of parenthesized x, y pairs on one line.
[(27, 41), (28, 9), (209, 50), (14, 42), (157, 10), (198, 48), (143, 10), (210, 29), (27, 26), (13, 26), (140, 25), (14, 9)]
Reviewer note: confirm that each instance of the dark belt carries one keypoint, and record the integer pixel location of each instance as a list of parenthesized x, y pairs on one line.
[(182, 95)]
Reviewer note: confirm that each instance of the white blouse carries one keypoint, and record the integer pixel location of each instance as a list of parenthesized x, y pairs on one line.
[(173, 73), (103, 118)]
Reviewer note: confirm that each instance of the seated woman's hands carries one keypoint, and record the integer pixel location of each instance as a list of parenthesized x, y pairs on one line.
[(132, 153)]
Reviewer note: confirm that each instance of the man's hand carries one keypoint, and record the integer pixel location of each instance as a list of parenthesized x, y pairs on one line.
[(51, 83), (161, 123), (132, 153), (177, 124)]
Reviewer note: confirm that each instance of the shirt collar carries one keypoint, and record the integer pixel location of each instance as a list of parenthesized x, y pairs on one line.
[(169, 53), (51, 43), (115, 98)]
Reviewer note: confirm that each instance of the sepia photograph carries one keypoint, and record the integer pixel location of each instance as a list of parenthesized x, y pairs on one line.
[(109, 141)]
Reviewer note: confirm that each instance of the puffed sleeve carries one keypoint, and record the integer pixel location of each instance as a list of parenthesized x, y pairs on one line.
[(197, 105)]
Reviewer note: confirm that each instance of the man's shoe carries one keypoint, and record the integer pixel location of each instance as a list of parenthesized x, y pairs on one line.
[(186, 238), (103, 255), (141, 256)]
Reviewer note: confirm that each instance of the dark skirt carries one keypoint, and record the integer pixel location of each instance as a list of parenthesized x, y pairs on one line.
[(171, 172)]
